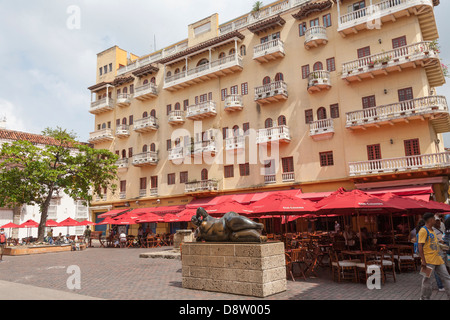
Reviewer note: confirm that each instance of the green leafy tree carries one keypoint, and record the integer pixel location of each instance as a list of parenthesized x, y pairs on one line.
[(32, 175)]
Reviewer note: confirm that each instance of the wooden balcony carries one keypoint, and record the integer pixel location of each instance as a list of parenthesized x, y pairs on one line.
[(319, 80), (122, 131), (422, 54), (202, 110), (374, 16), (202, 187), (321, 129), (177, 117), (432, 107), (272, 92), (268, 51), (432, 161), (123, 100), (146, 124), (235, 143), (149, 158), (101, 136), (212, 70), (315, 36), (122, 164), (145, 92), (234, 102), (102, 105), (275, 134)]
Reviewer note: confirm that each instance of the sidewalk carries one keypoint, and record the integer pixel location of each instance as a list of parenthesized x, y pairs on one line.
[(17, 291)]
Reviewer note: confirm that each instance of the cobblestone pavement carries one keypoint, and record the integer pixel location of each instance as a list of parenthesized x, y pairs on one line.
[(113, 273)]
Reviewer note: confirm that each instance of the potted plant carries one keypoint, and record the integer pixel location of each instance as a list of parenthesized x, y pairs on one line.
[(256, 9), (371, 64)]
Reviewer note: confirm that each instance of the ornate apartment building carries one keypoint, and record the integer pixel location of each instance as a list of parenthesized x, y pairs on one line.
[(311, 95)]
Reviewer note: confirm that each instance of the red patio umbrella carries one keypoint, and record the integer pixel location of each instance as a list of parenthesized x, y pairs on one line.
[(124, 221), (51, 223), (171, 218), (69, 222), (228, 206), (10, 226), (87, 223), (107, 220), (282, 203), (413, 206), (149, 218), (29, 224)]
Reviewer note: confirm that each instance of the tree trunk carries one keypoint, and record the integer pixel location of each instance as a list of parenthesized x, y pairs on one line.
[(44, 211)]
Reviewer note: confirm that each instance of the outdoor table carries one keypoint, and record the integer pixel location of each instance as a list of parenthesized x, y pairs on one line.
[(358, 253)]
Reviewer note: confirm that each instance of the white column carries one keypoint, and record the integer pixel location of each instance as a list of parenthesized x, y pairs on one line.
[(107, 94), (164, 72), (209, 58), (186, 64)]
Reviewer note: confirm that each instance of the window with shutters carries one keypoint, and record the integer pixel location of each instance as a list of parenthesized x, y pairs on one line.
[(153, 113), (269, 167), (314, 22), (223, 94), (405, 94), (318, 66), (177, 106), (196, 100), (287, 164), (185, 104), (144, 148), (234, 90), (203, 98), (412, 147), (145, 114), (327, 20), (281, 120), (143, 183), (266, 80), (204, 174), (228, 171), (171, 178), (225, 132), (279, 77), (268, 123), (183, 177), (244, 88), (326, 159), (210, 97), (169, 144), (52, 212), (124, 120), (334, 111), (398, 42), (154, 182), (153, 147), (124, 154), (130, 120), (243, 50), (302, 29), (246, 128), (264, 39), (130, 152), (168, 109), (305, 71), (321, 113), (244, 169), (368, 102), (123, 185), (81, 209), (309, 116), (117, 122), (374, 152), (363, 52), (331, 64), (131, 88)]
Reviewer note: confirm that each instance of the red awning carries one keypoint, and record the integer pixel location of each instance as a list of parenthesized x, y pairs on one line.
[(168, 209), (411, 191), (111, 213)]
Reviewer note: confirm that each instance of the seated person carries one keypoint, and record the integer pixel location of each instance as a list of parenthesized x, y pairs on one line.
[(123, 239), (349, 236)]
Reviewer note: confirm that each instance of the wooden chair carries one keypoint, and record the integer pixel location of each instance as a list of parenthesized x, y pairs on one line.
[(388, 264), (299, 258), (130, 241), (405, 258), (288, 260), (369, 260), (343, 270)]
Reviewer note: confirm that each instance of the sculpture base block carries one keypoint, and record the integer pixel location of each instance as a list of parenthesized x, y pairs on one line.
[(250, 269)]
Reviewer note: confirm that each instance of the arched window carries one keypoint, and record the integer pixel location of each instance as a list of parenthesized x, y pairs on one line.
[(202, 62), (266, 80), (124, 154), (177, 70), (118, 91), (153, 113), (204, 174), (177, 106), (145, 114), (281, 120), (124, 120), (279, 77), (153, 147), (168, 74), (144, 148), (104, 126), (184, 69), (222, 55), (145, 81), (243, 50), (231, 52), (125, 90), (236, 130), (318, 66), (321, 113), (268, 123), (153, 80)]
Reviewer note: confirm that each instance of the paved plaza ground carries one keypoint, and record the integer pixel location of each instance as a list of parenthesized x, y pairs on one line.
[(112, 273)]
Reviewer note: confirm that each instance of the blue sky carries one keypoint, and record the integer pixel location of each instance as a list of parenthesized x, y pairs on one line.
[(45, 68)]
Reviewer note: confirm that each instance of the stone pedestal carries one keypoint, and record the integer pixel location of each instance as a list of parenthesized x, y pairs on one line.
[(251, 269), (182, 236)]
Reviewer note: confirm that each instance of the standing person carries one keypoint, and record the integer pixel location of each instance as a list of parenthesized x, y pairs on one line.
[(2, 242), (140, 234), (50, 236), (87, 234), (429, 254), (337, 227)]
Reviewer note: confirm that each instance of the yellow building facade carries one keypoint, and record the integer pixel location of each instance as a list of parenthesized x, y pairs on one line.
[(311, 95)]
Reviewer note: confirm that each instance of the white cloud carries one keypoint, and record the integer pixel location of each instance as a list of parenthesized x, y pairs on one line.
[(10, 112)]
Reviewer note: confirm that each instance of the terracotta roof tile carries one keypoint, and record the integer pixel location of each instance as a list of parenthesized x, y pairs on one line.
[(310, 8), (31, 137)]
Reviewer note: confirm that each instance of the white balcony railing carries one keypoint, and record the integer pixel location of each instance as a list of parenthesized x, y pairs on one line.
[(142, 193), (321, 129), (146, 124), (201, 147), (102, 105), (176, 153), (234, 102), (318, 80), (154, 192), (271, 92), (101, 135), (235, 143), (122, 163), (145, 158), (270, 178), (274, 134), (314, 36), (400, 110), (201, 186), (176, 116), (406, 54), (233, 61), (288, 176), (122, 195), (396, 165), (269, 50), (122, 131), (145, 92), (123, 99), (386, 8), (201, 110)]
